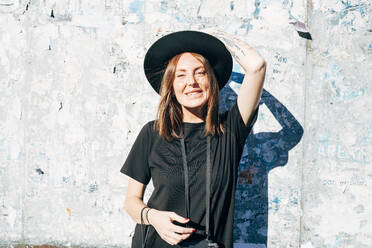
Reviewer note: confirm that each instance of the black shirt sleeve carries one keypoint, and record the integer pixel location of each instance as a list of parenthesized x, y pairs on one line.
[(136, 164), (236, 124)]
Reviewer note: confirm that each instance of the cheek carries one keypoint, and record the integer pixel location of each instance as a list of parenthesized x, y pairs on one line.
[(206, 87), (177, 88)]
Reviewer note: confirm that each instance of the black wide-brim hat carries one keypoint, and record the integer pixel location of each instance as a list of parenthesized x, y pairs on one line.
[(165, 48)]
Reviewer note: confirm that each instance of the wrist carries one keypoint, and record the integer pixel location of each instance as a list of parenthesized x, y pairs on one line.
[(142, 215), (149, 215)]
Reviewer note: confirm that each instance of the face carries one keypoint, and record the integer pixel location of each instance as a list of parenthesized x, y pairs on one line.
[(191, 83)]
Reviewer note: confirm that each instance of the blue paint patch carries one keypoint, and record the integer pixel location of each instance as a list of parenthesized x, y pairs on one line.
[(137, 7), (325, 53), (335, 69), (256, 12), (368, 129), (365, 141), (283, 59), (294, 201), (356, 156), (93, 188), (276, 200), (335, 21), (340, 152), (370, 47), (237, 68), (343, 13), (335, 78), (362, 11), (333, 82), (353, 94), (163, 7), (247, 26), (348, 8), (323, 144), (274, 204)]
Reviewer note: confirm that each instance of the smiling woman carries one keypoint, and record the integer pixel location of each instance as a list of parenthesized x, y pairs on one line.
[(191, 87), (190, 151), (189, 93)]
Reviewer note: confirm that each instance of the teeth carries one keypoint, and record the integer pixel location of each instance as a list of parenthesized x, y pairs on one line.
[(193, 93)]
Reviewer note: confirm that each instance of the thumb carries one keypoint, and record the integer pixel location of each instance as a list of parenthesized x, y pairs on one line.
[(178, 218)]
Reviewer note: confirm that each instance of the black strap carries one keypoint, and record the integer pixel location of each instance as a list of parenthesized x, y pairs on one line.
[(143, 226), (208, 184), (186, 177), (208, 187)]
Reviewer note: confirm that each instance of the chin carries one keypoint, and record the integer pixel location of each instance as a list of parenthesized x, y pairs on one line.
[(194, 104)]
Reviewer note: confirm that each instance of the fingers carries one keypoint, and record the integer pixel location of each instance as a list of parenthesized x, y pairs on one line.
[(222, 34), (182, 230), (185, 236), (169, 239), (174, 238), (176, 233), (180, 219), (169, 232)]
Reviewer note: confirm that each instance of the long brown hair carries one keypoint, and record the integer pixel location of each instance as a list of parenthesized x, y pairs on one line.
[(169, 115)]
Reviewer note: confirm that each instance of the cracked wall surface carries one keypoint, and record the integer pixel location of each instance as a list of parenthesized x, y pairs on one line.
[(73, 97)]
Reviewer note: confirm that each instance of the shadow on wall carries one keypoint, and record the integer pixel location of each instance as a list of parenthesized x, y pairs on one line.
[(266, 150)]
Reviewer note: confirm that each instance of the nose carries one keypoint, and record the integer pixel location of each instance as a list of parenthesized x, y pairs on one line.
[(190, 80)]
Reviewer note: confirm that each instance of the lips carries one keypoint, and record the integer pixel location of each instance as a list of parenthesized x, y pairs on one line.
[(193, 92)]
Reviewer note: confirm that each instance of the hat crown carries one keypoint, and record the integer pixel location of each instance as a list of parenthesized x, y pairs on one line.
[(170, 45)]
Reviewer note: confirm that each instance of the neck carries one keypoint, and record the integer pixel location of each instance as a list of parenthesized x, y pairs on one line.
[(192, 115)]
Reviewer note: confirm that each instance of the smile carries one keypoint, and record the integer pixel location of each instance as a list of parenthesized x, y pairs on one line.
[(193, 93)]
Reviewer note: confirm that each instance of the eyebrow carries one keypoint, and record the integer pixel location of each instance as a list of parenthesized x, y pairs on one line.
[(195, 68)]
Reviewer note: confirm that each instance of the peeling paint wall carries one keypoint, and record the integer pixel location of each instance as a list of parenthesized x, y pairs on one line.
[(74, 97), (337, 178)]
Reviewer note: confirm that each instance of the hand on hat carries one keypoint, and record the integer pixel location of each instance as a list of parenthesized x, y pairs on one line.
[(244, 54)]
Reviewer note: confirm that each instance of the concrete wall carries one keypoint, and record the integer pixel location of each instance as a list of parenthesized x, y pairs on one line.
[(73, 97)]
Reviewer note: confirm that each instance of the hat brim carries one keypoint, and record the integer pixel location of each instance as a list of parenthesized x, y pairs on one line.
[(165, 48)]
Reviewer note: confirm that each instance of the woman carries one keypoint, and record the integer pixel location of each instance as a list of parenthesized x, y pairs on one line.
[(191, 152)]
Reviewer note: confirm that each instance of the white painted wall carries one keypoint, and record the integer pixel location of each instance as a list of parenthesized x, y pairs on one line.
[(73, 97)]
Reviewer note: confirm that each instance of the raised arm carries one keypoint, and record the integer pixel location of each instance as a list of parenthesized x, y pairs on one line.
[(254, 67)]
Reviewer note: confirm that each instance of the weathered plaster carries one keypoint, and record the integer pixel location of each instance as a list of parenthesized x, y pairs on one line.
[(74, 97)]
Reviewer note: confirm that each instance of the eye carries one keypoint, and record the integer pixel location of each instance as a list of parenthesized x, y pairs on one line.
[(180, 75), (201, 73)]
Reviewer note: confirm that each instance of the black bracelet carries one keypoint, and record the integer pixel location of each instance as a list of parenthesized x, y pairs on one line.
[(142, 214), (147, 216), (142, 227)]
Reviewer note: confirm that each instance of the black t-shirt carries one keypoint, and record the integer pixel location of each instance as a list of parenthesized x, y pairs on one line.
[(153, 157)]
